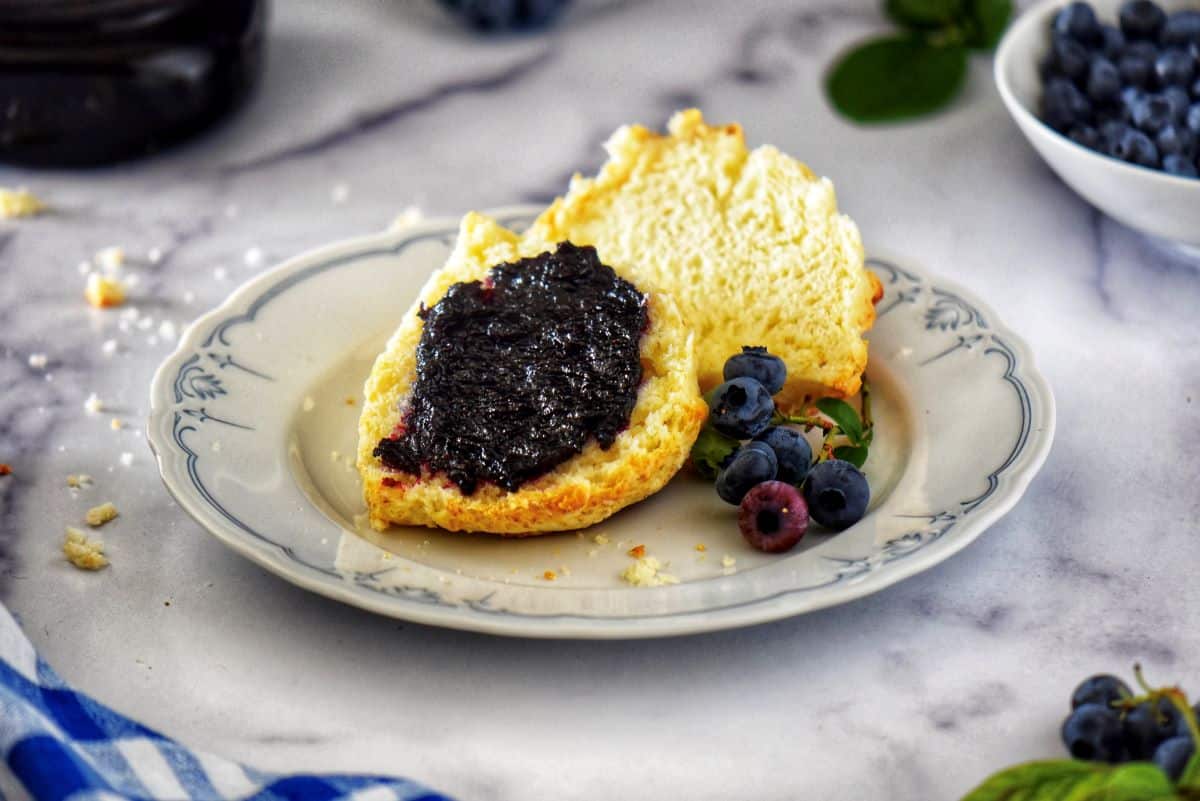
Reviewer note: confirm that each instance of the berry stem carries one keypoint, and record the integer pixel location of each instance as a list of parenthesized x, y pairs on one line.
[(1177, 697)]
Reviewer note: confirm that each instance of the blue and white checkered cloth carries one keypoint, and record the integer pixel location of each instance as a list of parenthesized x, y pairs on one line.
[(59, 745)]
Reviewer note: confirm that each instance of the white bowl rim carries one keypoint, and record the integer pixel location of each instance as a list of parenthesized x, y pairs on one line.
[(1006, 52)]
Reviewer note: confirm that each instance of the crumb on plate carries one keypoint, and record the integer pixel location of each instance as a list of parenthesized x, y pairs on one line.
[(600, 539), (549, 575), (82, 551), (99, 515), (637, 551), (647, 572)]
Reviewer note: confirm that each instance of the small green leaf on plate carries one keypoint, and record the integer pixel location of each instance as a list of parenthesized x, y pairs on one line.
[(1076, 780), (854, 454), (894, 78), (988, 19), (923, 13), (710, 449), (844, 415)]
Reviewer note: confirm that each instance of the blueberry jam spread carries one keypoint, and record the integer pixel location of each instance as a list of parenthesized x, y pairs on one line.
[(517, 372)]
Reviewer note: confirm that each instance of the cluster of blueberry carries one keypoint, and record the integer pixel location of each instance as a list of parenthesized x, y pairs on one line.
[(1130, 91), (497, 15), (762, 476), (1105, 727)]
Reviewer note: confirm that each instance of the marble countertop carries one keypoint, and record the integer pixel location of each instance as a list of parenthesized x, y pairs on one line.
[(917, 692)]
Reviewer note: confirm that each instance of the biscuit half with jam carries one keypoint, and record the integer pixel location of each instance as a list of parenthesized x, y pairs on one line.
[(527, 391)]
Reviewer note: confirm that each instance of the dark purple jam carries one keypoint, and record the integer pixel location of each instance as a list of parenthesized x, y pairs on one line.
[(516, 373)]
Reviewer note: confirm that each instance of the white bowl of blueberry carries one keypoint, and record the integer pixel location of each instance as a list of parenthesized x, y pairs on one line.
[(1108, 92)]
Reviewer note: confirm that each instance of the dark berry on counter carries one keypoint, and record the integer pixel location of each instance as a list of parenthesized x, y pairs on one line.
[(1070, 58), (494, 15), (1148, 725), (792, 451), (741, 408), (1175, 67), (1180, 166), (756, 363), (773, 517), (1064, 106), (1182, 28), (752, 464), (1094, 733), (1141, 19), (837, 494), (1173, 755), (1104, 82), (1103, 689), (1078, 21)]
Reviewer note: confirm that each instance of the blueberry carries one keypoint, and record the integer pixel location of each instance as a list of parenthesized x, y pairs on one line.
[(1104, 82), (741, 408), (1102, 689), (1141, 49), (1141, 19), (1175, 67), (773, 516), (1111, 133), (1078, 21), (1093, 732), (1131, 97), (1064, 106), (1192, 120), (1181, 28), (1173, 755), (1177, 98), (837, 494), (1135, 70), (1085, 135), (1182, 730), (756, 363), (1195, 90), (1136, 148), (1070, 57), (1152, 113), (1112, 42), (791, 450), (752, 464), (1175, 140), (492, 15), (1182, 166), (1147, 725)]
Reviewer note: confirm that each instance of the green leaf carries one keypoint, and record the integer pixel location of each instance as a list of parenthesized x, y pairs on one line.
[(845, 416), (1075, 780), (988, 20), (710, 449), (854, 454), (894, 78), (923, 13)]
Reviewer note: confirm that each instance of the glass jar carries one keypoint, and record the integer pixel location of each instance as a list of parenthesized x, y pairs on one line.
[(89, 82)]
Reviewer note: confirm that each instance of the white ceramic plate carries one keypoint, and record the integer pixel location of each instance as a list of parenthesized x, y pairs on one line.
[(253, 422)]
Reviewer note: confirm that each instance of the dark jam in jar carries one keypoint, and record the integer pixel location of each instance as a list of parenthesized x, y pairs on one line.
[(88, 82), (516, 373)]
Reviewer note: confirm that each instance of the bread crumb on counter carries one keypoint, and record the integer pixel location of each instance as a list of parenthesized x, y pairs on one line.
[(5, 470), (82, 551), (38, 361), (99, 515), (19, 202), (78, 481), (93, 404), (110, 259), (103, 291), (647, 572), (701, 547)]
